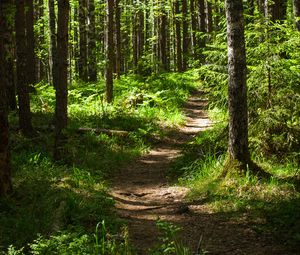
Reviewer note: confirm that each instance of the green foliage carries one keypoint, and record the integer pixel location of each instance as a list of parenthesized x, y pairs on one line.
[(273, 85), (62, 201), (273, 82), (170, 244), (72, 243), (274, 201)]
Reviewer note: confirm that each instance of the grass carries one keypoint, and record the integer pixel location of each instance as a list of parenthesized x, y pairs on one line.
[(56, 206), (271, 205)]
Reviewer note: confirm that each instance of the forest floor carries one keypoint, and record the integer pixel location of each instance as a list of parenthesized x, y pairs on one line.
[(143, 194)]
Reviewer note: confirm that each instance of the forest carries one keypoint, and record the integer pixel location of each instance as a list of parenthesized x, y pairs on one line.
[(149, 127)]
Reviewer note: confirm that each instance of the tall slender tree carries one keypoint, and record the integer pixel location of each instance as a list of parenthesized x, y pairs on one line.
[(140, 30), (118, 38), (296, 4), (275, 9), (92, 65), (193, 25), (76, 40), (6, 8), (237, 89), (178, 36), (22, 80), (109, 50), (30, 42), (9, 63), (202, 27), (83, 63), (163, 36), (202, 16), (40, 41), (53, 41), (185, 35), (61, 110), (209, 18)]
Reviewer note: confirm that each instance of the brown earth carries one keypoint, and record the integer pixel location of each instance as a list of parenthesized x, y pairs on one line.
[(143, 195)]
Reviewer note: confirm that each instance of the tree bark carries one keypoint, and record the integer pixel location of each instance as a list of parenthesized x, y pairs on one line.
[(31, 75), (76, 41), (185, 35), (178, 37), (296, 4), (9, 59), (237, 90), (83, 72), (163, 37), (5, 168), (140, 32), (53, 41), (275, 9), (61, 110), (138, 35), (202, 26), (193, 26), (209, 19), (40, 42), (109, 50), (92, 65), (261, 6), (22, 80), (118, 39)]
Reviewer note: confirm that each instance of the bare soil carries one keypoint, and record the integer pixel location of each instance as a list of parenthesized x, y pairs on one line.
[(143, 195)]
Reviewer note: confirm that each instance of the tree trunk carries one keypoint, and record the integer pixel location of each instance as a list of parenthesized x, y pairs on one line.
[(275, 9), (202, 16), (109, 50), (185, 35), (118, 39), (163, 37), (209, 19), (9, 64), (296, 4), (30, 43), (61, 110), (53, 40), (178, 37), (202, 27), (22, 81), (76, 41), (261, 6), (83, 74), (140, 33), (237, 90), (92, 67), (6, 8), (193, 26), (40, 41)]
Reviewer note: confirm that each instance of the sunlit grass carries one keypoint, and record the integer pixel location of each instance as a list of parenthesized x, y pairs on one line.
[(274, 200), (58, 202)]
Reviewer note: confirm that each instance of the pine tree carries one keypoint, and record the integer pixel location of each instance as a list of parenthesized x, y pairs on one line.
[(109, 50), (22, 79), (5, 168), (83, 72), (296, 4), (237, 89), (61, 110), (92, 65)]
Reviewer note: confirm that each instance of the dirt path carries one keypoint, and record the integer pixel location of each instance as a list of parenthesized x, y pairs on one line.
[(142, 194)]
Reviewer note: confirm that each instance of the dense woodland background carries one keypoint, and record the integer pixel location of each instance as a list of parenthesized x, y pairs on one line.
[(88, 85)]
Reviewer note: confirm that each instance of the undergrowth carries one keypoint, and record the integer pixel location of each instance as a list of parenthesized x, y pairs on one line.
[(55, 206), (271, 205)]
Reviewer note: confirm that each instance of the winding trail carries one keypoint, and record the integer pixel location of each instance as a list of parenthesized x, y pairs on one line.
[(142, 194)]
